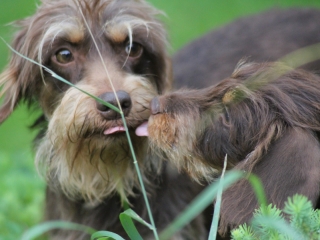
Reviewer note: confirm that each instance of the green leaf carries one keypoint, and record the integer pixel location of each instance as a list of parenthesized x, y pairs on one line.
[(40, 229), (128, 225), (298, 205), (269, 223), (243, 232), (105, 235), (132, 214), (270, 211)]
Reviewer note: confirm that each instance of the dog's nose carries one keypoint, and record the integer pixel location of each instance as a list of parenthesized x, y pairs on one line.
[(155, 106), (110, 97)]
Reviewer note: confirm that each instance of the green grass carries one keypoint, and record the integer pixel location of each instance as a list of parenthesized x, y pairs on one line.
[(21, 194), (21, 190)]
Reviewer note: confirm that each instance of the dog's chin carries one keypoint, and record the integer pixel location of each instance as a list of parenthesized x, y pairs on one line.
[(91, 168)]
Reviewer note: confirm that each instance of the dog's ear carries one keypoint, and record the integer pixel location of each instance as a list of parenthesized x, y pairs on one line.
[(10, 88), (10, 92), (12, 84)]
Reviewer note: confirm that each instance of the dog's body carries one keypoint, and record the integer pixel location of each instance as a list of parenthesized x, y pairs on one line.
[(265, 118), (267, 36), (82, 147)]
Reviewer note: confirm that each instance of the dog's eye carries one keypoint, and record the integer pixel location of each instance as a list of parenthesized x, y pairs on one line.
[(64, 56), (134, 50)]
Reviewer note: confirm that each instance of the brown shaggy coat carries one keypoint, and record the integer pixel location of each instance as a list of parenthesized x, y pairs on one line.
[(265, 118), (82, 149)]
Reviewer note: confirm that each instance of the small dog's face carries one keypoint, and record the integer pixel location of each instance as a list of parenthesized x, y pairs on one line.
[(178, 124), (100, 46)]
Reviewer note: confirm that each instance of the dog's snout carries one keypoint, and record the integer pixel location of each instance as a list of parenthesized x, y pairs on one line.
[(110, 97)]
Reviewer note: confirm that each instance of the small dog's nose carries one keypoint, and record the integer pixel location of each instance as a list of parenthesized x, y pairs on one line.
[(155, 106), (110, 97)]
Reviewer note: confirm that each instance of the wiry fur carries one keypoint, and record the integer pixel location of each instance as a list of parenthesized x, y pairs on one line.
[(77, 126), (89, 172), (265, 118)]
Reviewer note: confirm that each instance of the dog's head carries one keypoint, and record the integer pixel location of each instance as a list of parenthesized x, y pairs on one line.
[(101, 46), (240, 117)]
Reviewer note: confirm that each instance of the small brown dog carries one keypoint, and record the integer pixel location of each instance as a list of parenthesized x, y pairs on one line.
[(265, 118), (82, 146)]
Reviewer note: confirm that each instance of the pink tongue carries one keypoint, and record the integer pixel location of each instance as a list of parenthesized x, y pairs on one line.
[(142, 130), (114, 130)]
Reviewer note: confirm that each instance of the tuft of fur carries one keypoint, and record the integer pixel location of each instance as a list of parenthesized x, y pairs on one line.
[(265, 118), (100, 46)]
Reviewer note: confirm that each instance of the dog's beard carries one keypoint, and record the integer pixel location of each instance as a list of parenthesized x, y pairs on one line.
[(77, 155), (89, 169)]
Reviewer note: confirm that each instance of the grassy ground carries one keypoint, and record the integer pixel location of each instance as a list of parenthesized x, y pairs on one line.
[(21, 190)]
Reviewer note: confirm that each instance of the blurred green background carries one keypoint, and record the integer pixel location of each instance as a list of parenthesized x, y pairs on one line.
[(21, 190)]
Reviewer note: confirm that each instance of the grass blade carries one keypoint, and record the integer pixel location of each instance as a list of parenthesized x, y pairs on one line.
[(258, 189), (216, 213), (105, 235), (302, 56), (40, 229), (128, 224), (144, 193), (133, 215)]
